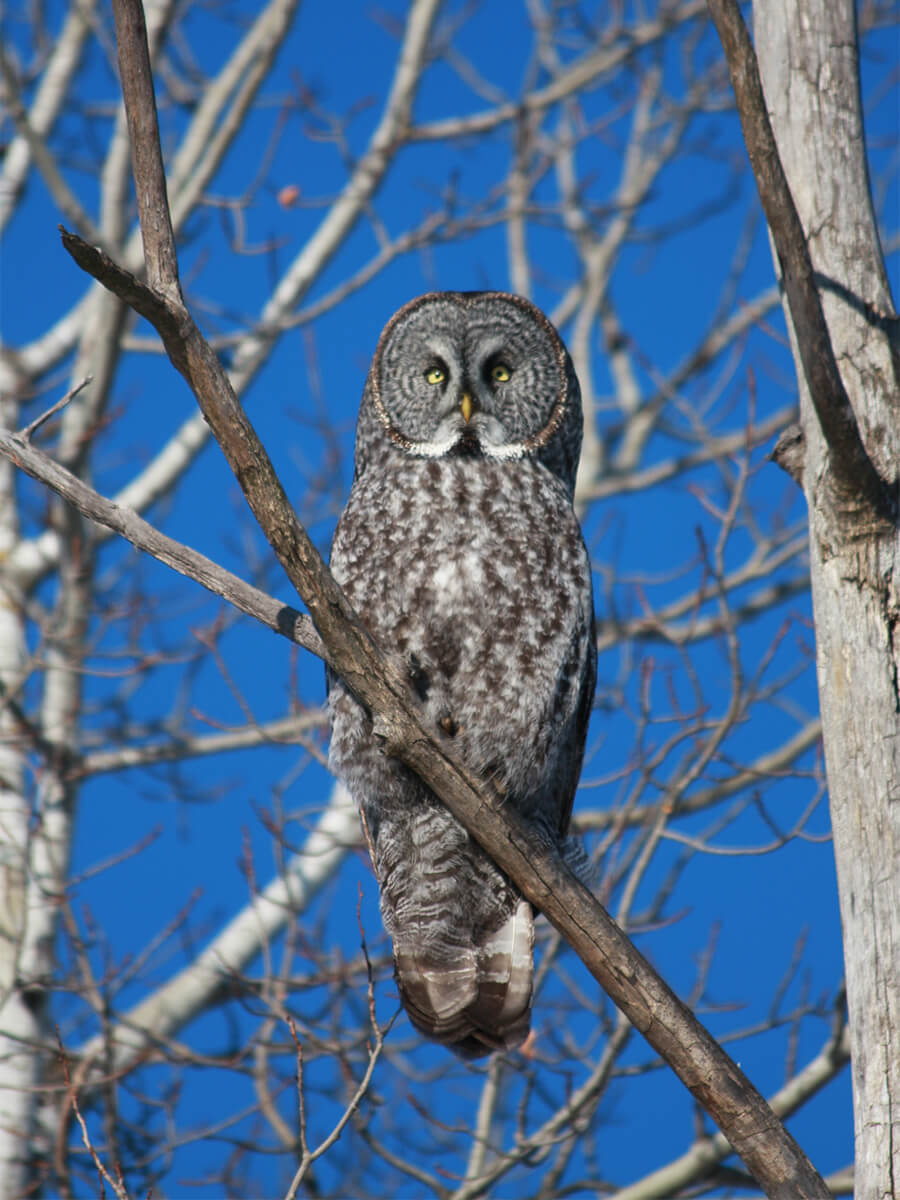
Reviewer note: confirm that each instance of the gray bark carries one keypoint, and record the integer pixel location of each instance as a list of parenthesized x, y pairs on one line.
[(808, 57), (18, 1020)]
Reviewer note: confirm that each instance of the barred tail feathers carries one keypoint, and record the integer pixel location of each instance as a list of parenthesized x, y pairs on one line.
[(480, 1000)]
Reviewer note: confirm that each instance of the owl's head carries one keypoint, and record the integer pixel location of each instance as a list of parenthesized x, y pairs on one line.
[(472, 373)]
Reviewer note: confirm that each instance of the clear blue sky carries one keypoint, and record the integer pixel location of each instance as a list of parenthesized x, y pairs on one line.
[(666, 290)]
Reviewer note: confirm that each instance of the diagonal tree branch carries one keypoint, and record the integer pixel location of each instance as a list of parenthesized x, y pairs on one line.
[(695, 1165), (250, 600), (54, 179), (49, 99), (850, 463)]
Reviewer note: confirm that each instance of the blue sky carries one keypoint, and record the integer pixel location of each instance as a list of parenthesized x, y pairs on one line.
[(666, 289)]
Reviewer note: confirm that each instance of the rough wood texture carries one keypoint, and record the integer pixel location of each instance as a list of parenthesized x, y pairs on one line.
[(850, 463), (808, 62), (143, 127), (280, 618)]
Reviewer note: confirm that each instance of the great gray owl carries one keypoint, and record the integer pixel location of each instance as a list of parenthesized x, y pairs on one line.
[(461, 552)]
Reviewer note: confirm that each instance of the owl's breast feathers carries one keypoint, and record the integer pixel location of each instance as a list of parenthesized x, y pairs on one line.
[(476, 571)]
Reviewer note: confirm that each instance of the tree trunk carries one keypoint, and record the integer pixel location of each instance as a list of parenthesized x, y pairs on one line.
[(19, 1023), (808, 57)]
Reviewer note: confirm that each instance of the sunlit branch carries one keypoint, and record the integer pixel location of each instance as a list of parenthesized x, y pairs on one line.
[(849, 460), (774, 764), (591, 67), (63, 196), (280, 618), (285, 731), (614, 483), (51, 96)]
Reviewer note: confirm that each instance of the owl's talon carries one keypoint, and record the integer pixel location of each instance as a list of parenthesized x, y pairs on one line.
[(418, 677), (385, 734), (448, 725)]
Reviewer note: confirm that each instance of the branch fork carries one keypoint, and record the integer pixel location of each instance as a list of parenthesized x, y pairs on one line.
[(853, 469)]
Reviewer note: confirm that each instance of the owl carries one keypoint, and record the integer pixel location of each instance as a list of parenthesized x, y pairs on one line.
[(460, 550)]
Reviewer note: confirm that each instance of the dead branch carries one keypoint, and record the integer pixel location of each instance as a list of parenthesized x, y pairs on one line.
[(850, 463), (280, 618)]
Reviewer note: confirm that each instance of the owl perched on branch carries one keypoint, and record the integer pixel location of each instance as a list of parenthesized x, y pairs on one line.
[(461, 552)]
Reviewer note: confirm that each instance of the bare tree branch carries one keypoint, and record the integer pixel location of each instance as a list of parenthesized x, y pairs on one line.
[(285, 731), (580, 73), (51, 96), (62, 194), (280, 618), (849, 460), (694, 1166), (149, 175), (160, 1016), (767, 766)]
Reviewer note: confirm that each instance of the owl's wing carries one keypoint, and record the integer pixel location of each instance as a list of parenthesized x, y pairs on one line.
[(572, 754)]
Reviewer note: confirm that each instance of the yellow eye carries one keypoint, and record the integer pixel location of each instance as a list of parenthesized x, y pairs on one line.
[(500, 373), (435, 375)]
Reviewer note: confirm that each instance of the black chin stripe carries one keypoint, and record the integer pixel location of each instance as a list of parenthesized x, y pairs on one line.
[(468, 446)]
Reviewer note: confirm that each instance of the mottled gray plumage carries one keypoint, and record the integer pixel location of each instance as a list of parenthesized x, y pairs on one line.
[(460, 549)]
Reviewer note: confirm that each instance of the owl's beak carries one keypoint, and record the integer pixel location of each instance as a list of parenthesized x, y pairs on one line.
[(466, 406)]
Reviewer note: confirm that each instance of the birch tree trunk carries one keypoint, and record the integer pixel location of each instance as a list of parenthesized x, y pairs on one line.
[(20, 1023), (808, 57)]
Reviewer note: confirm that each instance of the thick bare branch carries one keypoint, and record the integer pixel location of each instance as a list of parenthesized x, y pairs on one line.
[(810, 62), (285, 731), (280, 618), (149, 176), (850, 462), (695, 1165)]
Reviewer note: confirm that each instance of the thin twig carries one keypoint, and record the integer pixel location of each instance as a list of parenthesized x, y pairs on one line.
[(29, 430), (116, 1184)]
